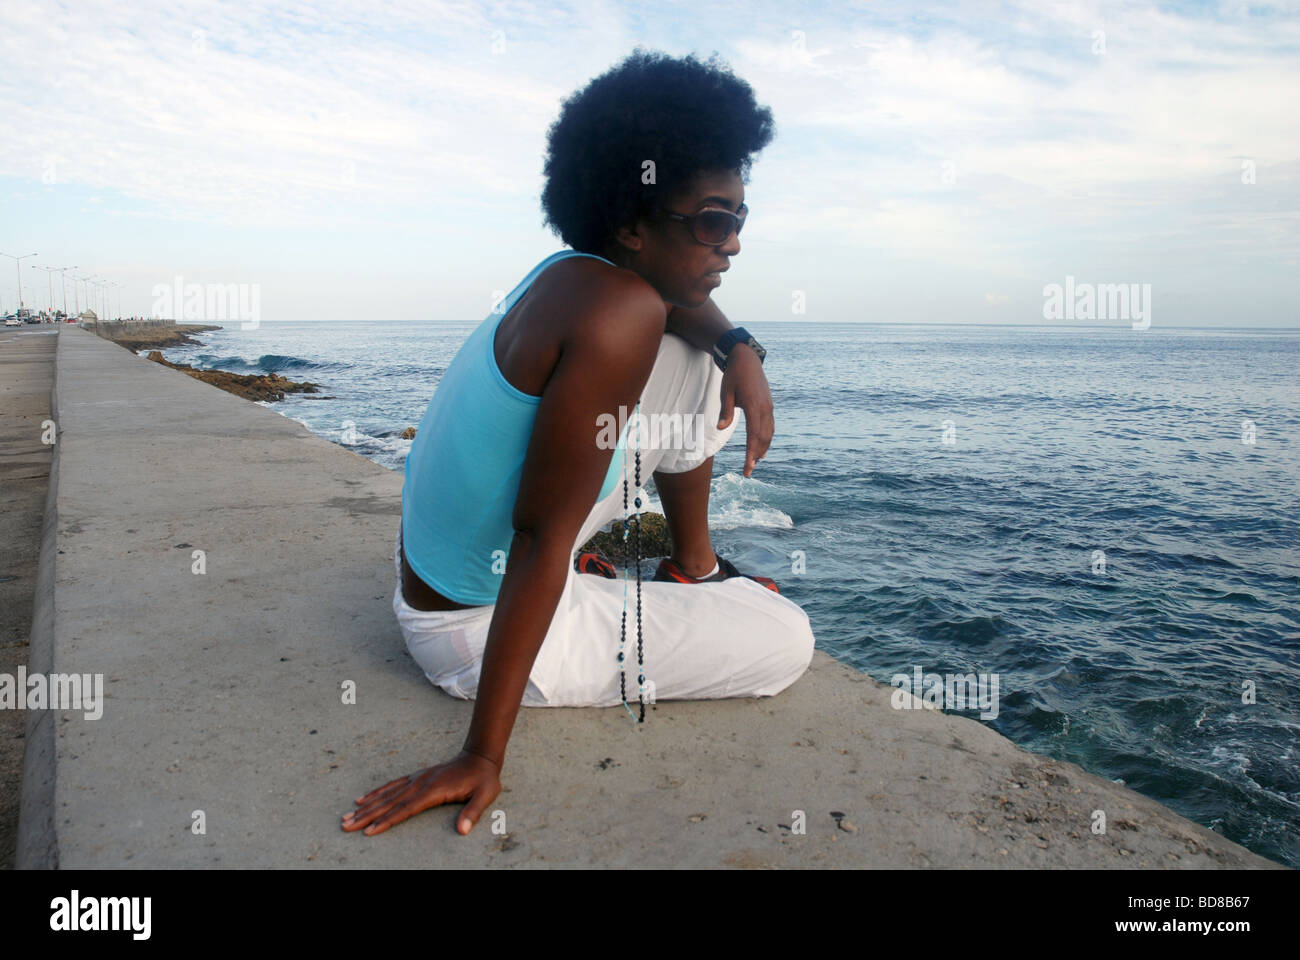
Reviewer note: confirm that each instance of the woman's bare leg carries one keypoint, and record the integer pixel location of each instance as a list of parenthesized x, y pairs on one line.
[(685, 499)]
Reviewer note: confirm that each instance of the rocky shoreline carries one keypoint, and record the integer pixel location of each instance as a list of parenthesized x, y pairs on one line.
[(267, 387), (136, 338), (250, 386)]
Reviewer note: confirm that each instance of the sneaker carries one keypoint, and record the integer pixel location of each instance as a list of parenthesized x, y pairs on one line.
[(592, 563), (669, 571)]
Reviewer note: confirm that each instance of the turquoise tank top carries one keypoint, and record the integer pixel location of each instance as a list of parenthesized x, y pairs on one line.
[(466, 463)]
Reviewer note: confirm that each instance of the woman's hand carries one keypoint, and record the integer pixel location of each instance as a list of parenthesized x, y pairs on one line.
[(744, 385), (469, 779)]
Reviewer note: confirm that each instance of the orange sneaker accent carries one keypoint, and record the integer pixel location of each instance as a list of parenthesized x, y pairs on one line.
[(670, 572), (591, 563)]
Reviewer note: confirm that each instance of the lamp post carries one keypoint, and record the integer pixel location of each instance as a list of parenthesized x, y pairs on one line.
[(85, 289), (49, 277), (114, 288), (98, 284), (76, 301), (18, 266), (90, 303), (63, 281)]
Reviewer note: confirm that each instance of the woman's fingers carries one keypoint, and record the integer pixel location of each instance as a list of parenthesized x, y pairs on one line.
[(758, 438), (377, 801), (755, 447), (765, 432), (394, 816), (407, 797), (728, 406), (394, 786), (408, 806), (383, 796), (369, 814), (745, 386), (378, 790)]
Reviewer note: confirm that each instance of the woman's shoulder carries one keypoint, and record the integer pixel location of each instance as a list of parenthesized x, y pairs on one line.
[(575, 301), (591, 290)]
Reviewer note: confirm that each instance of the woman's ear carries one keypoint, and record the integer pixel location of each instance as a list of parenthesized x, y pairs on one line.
[(629, 237)]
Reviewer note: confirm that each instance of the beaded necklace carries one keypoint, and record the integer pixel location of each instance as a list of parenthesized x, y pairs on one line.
[(629, 522)]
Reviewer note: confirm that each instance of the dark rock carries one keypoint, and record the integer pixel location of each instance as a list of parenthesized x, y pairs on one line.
[(266, 387), (609, 545)]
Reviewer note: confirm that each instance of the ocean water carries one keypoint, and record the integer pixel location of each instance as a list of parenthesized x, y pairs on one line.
[(1107, 520)]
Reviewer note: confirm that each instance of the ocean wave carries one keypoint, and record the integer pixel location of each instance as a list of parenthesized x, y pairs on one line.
[(266, 363), (274, 363), (738, 501), (211, 361)]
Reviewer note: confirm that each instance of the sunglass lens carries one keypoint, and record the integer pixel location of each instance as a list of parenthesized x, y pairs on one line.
[(715, 226)]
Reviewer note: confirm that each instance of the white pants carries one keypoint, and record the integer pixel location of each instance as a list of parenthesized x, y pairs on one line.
[(728, 638)]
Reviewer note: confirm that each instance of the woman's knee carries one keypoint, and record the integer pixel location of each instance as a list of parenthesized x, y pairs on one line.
[(798, 647), (777, 659)]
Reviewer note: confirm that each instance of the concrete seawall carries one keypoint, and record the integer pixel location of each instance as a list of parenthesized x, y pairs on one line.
[(223, 694), (111, 328)]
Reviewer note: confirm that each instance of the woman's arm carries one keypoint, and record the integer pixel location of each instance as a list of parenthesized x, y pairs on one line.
[(604, 364), (744, 384), (605, 360), (699, 326)]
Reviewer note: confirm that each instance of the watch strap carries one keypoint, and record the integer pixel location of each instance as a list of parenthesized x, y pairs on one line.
[(722, 348)]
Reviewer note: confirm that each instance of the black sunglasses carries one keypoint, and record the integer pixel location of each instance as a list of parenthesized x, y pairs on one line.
[(712, 227)]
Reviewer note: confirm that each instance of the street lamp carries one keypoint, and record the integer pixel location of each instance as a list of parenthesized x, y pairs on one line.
[(49, 276), (91, 282), (115, 288), (18, 266), (63, 281), (85, 289), (98, 284)]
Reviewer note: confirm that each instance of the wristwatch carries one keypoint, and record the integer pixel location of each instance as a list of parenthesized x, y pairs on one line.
[(729, 340)]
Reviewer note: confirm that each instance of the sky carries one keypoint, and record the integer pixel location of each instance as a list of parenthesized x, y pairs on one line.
[(933, 162)]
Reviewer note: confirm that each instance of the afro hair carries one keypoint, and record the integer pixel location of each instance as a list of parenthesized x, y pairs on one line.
[(685, 115)]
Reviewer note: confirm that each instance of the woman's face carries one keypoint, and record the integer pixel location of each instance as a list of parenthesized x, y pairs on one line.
[(666, 254)]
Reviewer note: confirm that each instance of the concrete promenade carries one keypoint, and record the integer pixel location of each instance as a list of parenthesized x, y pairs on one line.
[(224, 694), (26, 372)]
